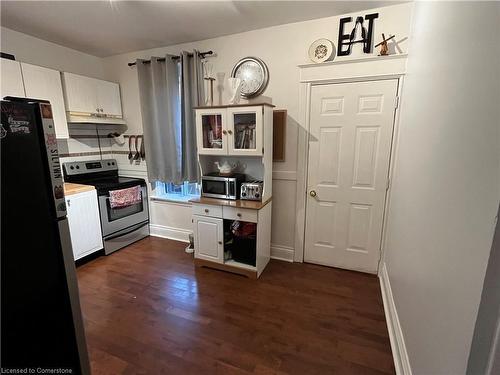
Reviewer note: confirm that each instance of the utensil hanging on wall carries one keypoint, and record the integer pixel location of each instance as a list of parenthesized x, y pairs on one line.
[(143, 152), (130, 156), (137, 154)]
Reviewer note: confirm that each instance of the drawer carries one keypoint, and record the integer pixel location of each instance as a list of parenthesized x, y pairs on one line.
[(207, 210), (242, 214)]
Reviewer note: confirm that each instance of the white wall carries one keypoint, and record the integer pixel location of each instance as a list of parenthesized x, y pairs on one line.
[(36, 51), (282, 48), (446, 185)]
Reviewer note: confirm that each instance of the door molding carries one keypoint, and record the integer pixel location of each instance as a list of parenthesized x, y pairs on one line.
[(303, 152)]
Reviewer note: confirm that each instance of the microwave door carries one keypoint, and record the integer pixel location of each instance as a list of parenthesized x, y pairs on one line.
[(214, 187)]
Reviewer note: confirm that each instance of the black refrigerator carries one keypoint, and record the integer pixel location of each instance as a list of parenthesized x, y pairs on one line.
[(41, 320)]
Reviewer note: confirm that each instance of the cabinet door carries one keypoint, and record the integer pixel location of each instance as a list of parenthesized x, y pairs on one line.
[(84, 223), (245, 132), (108, 98), (211, 131), (208, 238), (12, 79), (43, 83), (80, 93)]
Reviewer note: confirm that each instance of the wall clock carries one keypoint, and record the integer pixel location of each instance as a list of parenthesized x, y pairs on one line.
[(254, 76)]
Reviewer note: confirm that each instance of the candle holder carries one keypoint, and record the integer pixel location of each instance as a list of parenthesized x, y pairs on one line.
[(208, 68)]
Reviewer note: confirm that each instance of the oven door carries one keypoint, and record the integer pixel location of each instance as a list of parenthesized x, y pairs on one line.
[(116, 219), (214, 187)]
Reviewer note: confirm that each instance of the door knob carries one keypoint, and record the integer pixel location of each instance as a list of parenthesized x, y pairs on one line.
[(312, 193)]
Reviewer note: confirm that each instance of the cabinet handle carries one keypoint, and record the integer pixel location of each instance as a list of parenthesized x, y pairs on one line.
[(230, 132), (206, 210), (224, 132), (68, 202), (238, 214), (220, 242)]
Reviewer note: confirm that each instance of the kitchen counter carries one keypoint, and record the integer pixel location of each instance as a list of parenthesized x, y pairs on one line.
[(253, 205), (70, 188)]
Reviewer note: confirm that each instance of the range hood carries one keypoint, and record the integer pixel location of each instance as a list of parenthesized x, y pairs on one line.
[(88, 118)]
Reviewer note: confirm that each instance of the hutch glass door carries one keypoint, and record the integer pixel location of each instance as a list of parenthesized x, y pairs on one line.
[(211, 132), (245, 131)]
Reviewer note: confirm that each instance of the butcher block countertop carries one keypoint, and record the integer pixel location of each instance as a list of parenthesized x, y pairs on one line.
[(70, 189), (253, 205)]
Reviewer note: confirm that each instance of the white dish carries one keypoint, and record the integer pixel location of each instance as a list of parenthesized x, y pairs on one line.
[(321, 50)]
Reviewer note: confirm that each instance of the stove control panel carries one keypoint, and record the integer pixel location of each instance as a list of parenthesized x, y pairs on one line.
[(89, 166)]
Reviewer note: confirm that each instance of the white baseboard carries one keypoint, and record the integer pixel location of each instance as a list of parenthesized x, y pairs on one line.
[(282, 252), (401, 360), (170, 233)]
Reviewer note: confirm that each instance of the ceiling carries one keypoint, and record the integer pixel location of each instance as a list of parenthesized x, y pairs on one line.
[(104, 28)]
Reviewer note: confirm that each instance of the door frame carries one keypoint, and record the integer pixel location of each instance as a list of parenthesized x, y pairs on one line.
[(303, 154)]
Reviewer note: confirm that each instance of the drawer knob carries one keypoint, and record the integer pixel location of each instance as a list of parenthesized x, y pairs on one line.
[(238, 214), (206, 210)]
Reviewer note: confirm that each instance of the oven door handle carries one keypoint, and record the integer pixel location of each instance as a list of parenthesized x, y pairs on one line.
[(134, 228)]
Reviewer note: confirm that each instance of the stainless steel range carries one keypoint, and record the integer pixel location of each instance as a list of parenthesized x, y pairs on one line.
[(121, 226)]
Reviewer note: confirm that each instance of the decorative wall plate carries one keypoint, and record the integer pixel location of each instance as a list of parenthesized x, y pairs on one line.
[(321, 50), (253, 74)]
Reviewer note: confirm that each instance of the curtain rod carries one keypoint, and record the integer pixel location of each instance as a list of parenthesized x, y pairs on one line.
[(201, 54)]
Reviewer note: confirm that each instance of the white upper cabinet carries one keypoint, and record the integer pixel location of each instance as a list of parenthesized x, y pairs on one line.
[(12, 78), (43, 83), (91, 97), (108, 98), (80, 94), (232, 130)]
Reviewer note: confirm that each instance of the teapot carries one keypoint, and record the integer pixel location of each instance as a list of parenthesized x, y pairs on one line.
[(226, 167)]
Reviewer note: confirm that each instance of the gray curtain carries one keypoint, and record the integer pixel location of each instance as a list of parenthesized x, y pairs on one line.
[(168, 92), (192, 95)]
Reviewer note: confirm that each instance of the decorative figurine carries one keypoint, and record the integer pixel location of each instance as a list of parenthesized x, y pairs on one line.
[(384, 50)]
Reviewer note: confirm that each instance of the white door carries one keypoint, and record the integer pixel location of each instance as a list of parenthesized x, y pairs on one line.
[(80, 94), (12, 79), (208, 238), (84, 223), (244, 130), (44, 83), (108, 98), (349, 150), (211, 131)]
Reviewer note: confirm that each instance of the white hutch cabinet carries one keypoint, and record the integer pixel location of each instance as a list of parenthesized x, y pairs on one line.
[(243, 136), (231, 130)]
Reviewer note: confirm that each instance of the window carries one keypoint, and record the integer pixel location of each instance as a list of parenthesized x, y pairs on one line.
[(183, 192)]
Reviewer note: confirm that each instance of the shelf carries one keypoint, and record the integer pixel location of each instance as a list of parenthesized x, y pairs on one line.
[(354, 60), (235, 105), (234, 263)]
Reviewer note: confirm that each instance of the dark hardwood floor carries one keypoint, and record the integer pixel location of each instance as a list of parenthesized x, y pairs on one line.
[(148, 310)]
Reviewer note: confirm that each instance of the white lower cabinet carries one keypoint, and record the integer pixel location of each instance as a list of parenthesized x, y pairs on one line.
[(84, 223), (244, 249), (209, 237)]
